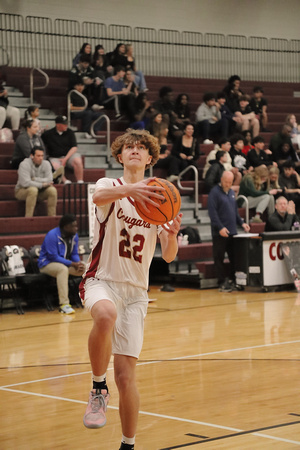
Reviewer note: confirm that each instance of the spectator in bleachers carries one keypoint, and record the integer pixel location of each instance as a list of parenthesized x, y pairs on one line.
[(284, 216), (83, 72), (78, 110), (224, 145), (117, 94), (215, 172), (258, 155), (140, 112), (224, 217), (139, 76), (209, 120), (166, 160), (232, 118), (282, 148), (239, 159), (33, 112), (28, 139), (273, 180), (247, 141), (35, 183), (259, 106), (165, 106), (182, 109), (85, 50), (295, 132), (289, 181), (118, 56), (252, 187), (186, 148), (129, 82), (156, 124), (61, 145), (7, 111), (59, 258), (233, 93), (101, 64), (249, 119)]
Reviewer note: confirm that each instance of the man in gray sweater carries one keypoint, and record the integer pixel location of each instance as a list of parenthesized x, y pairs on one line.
[(209, 119), (35, 182)]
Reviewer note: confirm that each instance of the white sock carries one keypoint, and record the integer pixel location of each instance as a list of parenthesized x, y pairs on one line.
[(99, 378), (126, 440)]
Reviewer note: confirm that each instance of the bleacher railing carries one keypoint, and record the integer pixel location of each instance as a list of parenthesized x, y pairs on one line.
[(41, 42), (32, 87)]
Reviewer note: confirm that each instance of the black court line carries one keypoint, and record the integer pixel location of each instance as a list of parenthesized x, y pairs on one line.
[(241, 433), (293, 414)]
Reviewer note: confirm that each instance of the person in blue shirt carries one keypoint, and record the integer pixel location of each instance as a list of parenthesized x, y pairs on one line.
[(59, 258), (224, 217)]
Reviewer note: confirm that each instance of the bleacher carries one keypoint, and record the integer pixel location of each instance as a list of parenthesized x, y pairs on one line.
[(194, 261)]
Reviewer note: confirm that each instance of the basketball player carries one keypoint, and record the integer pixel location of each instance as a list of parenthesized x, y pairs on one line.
[(114, 286)]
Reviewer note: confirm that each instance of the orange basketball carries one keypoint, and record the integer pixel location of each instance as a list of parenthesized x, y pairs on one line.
[(167, 209)]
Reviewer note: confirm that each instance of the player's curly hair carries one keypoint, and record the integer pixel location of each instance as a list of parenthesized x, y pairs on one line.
[(131, 137)]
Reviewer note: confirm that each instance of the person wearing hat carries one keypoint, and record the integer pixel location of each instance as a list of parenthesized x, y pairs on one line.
[(61, 145)]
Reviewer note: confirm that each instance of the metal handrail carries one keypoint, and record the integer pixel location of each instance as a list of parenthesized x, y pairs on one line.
[(37, 87), (98, 136), (247, 207), (196, 212), (69, 103), (3, 50)]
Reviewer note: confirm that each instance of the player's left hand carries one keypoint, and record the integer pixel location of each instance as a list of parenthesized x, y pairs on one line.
[(173, 227)]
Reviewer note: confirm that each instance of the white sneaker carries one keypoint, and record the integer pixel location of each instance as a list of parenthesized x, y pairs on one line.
[(97, 107), (88, 136), (67, 182), (172, 178), (208, 141), (66, 309), (80, 182)]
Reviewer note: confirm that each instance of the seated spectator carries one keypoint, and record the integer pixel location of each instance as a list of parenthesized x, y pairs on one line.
[(289, 181), (156, 124), (101, 64), (273, 181), (165, 106), (215, 172), (130, 83), (140, 112), (33, 112), (259, 106), (247, 141), (232, 118), (209, 119), (84, 73), (85, 50), (252, 187), (117, 94), (224, 145), (284, 216), (182, 110), (282, 148), (138, 74), (118, 57), (59, 258), (258, 156), (79, 111), (249, 120), (7, 111), (35, 183), (61, 145), (295, 132), (233, 93), (25, 143), (166, 159), (186, 148), (239, 160)]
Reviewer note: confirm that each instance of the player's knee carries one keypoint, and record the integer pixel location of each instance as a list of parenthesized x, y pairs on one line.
[(104, 314), (123, 380)]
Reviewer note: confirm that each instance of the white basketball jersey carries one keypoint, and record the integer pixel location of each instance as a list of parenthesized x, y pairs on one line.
[(124, 244)]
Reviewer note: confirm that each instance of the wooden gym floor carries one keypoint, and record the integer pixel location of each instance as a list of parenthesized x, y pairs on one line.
[(217, 371)]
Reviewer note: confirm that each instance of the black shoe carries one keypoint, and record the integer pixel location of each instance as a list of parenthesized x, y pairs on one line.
[(167, 288), (225, 287), (235, 287), (126, 447)]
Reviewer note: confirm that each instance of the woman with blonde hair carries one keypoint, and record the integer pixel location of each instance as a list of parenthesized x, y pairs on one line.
[(272, 182), (259, 197), (295, 133)]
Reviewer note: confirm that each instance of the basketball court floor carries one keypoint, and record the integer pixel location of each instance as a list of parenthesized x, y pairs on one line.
[(217, 371)]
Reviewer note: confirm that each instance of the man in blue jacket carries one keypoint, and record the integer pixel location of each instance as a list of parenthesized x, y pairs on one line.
[(224, 216), (59, 258)]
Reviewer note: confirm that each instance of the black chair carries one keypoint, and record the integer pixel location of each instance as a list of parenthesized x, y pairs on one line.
[(34, 285), (9, 289)]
